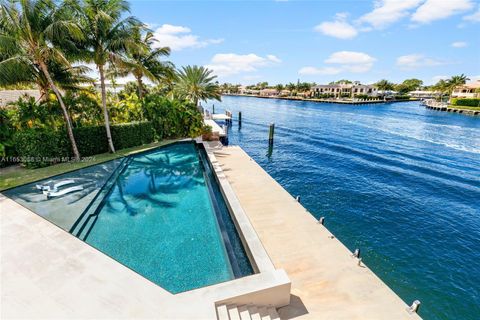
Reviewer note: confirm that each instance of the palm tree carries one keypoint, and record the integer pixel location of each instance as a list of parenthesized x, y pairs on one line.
[(31, 34), (108, 36), (384, 85), (197, 83), (441, 86), (454, 82), (145, 61), (279, 87)]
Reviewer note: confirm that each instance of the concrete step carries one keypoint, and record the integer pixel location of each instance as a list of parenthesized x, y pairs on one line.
[(273, 313), (222, 312), (254, 314), (264, 313), (244, 313), (233, 312)]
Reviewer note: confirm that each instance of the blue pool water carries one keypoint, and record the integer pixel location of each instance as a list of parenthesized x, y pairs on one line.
[(396, 180), (159, 220)]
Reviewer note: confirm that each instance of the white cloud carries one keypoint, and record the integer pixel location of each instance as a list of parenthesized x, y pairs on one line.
[(225, 64), (344, 61), (432, 10), (339, 28), (387, 12), (180, 37), (350, 57), (416, 60), (475, 17), (459, 44)]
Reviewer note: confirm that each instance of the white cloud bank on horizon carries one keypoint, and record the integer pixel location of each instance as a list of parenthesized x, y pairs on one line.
[(226, 64), (342, 61), (180, 37), (417, 60)]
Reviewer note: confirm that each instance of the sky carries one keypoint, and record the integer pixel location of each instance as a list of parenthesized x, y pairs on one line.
[(247, 42)]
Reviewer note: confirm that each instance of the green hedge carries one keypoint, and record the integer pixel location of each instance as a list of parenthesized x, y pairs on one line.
[(472, 102), (132, 134), (40, 147), (402, 97)]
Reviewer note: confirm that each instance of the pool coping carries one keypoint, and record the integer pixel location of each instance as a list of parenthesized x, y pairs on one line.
[(257, 254)]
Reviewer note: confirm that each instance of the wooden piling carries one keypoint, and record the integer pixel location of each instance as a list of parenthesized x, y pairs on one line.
[(240, 118), (271, 132)]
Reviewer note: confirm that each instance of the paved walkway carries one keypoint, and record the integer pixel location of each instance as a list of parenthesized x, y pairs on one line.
[(327, 283)]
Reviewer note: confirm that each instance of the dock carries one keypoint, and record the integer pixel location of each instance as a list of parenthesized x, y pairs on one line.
[(327, 281), (216, 129), (210, 119)]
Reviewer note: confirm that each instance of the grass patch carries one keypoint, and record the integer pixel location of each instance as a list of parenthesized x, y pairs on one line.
[(464, 107), (15, 175)]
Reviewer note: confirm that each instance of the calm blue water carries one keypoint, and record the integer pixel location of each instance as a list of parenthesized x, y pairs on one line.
[(396, 180), (159, 221)]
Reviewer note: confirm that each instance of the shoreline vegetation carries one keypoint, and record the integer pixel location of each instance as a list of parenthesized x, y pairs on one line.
[(327, 100), (51, 46)]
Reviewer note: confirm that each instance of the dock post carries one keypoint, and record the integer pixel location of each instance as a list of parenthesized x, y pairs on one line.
[(239, 118), (213, 109), (414, 307), (270, 133)]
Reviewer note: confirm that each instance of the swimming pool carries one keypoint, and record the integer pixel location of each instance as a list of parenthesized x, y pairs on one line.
[(161, 214)]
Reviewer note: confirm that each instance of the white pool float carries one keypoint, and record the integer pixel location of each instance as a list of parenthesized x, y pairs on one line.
[(57, 193)]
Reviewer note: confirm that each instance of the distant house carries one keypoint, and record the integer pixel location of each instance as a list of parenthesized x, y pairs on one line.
[(268, 92), (344, 89), (251, 92), (110, 86), (8, 96), (468, 90)]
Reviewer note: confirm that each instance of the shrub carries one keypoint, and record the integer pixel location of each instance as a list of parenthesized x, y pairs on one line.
[(472, 102), (40, 147), (173, 118), (402, 97), (128, 135), (90, 140)]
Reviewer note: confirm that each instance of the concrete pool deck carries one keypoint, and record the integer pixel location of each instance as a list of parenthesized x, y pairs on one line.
[(327, 282)]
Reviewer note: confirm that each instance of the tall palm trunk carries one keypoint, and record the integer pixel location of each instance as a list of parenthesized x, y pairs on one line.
[(140, 87), (44, 68), (104, 107)]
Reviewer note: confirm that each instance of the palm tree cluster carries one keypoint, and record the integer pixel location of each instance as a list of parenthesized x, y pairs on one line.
[(51, 43), (447, 86)]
